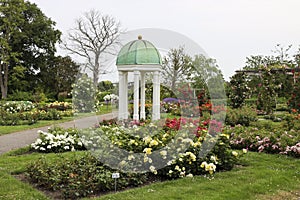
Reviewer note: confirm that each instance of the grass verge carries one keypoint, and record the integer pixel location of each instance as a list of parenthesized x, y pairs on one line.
[(42, 123), (261, 176)]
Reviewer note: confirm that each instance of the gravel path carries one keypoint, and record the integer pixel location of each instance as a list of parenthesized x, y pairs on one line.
[(23, 138)]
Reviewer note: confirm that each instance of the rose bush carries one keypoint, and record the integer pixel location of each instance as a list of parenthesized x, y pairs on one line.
[(58, 139), (276, 141), (143, 146)]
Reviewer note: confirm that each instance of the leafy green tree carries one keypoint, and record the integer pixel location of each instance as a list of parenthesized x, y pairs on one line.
[(10, 17), (105, 86), (238, 90), (207, 77), (276, 63), (59, 74), (27, 39)]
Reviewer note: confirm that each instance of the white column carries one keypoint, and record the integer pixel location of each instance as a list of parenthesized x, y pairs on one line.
[(143, 113), (156, 97), (121, 95), (136, 96), (125, 95)]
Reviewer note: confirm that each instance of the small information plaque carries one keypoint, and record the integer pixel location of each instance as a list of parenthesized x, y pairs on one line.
[(115, 175)]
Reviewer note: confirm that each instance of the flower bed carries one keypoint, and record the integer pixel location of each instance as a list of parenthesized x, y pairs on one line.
[(166, 150), (26, 113), (58, 140), (265, 140)]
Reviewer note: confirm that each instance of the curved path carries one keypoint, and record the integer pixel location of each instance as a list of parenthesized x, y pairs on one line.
[(23, 138)]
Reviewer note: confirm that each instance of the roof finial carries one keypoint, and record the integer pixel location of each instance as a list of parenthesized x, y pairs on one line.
[(140, 37)]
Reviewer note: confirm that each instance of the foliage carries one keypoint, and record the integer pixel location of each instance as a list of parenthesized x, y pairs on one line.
[(201, 73), (265, 140), (240, 116), (238, 90), (260, 168), (16, 106), (78, 176), (105, 86), (294, 101), (171, 107), (176, 68), (28, 40), (14, 113), (207, 78), (148, 110), (57, 140), (101, 95), (267, 94), (84, 95), (11, 112), (58, 75), (20, 96), (176, 145)]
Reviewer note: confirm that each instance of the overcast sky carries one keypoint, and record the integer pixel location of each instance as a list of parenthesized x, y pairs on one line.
[(227, 30)]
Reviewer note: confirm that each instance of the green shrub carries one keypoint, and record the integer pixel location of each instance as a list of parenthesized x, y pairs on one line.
[(251, 102), (145, 147), (9, 119), (242, 116), (282, 107), (78, 176), (20, 96)]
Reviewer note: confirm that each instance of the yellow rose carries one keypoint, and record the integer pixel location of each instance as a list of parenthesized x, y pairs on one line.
[(234, 153), (148, 151)]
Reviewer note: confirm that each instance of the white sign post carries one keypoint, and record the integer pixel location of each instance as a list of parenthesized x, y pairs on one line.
[(115, 176)]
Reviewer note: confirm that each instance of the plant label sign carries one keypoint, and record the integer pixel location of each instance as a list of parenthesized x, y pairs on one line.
[(115, 175)]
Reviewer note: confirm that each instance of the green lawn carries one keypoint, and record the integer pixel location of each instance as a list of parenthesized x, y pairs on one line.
[(263, 176), (260, 176), (41, 123)]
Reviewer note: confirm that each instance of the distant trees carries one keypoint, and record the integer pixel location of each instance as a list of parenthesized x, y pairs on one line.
[(176, 67), (200, 72), (93, 36), (266, 79)]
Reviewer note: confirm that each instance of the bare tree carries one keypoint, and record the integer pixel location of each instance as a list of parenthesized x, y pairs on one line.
[(94, 35), (176, 67)]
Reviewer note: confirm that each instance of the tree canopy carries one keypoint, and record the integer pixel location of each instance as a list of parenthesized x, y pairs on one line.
[(27, 41)]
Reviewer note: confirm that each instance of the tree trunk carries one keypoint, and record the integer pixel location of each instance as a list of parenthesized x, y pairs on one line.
[(3, 80), (96, 71)]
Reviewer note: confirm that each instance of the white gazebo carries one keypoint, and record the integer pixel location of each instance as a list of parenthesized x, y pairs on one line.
[(138, 56)]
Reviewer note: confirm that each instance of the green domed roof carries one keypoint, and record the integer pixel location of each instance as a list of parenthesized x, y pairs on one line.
[(139, 52)]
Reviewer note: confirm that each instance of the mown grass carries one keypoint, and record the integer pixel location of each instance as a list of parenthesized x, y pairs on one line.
[(41, 123), (11, 129), (261, 176)]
